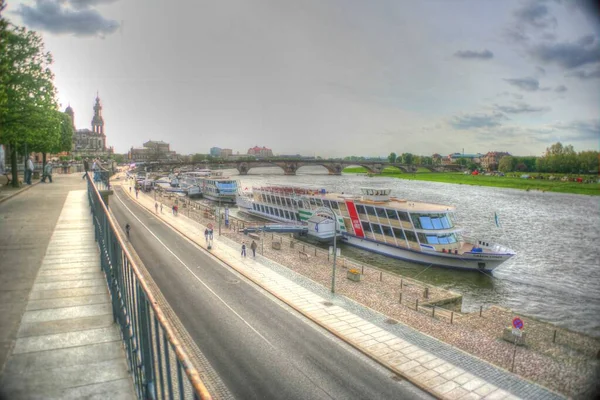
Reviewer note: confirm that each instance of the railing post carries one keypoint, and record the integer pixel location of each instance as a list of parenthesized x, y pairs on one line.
[(144, 335)]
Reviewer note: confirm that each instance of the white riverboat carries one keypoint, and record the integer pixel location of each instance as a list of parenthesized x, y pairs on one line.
[(217, 187), (375, 221)]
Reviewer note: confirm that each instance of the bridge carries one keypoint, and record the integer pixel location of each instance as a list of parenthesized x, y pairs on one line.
[(290, 167)]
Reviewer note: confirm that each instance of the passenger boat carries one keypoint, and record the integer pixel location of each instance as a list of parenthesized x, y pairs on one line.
[(425, 233), (217, 187), (190, 182)]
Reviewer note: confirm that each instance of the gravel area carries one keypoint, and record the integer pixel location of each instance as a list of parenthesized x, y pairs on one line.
[(567, 364)]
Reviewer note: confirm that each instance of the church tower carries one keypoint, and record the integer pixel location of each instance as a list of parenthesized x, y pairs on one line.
[(98, 122), (70, 113)]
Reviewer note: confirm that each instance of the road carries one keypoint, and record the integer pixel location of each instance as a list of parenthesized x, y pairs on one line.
[(260, 348)]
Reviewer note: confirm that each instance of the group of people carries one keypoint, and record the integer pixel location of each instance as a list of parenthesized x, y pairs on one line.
[(96, 168), (46, 174), (253, 247)]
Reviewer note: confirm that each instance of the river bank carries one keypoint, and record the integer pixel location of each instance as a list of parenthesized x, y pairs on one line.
[(543, 185)]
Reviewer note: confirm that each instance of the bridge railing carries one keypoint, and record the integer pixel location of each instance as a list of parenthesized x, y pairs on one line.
[(159, 366)]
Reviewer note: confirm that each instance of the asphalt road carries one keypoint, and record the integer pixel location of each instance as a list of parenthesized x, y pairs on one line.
[(260, 348)]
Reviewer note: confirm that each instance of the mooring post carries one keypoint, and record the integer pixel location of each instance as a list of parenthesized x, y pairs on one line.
[(433, 312), (480, 310), (362, 269), (315, 251), (401, 284), (400, 298), (417, 305), (303, 249), (426, 295), (380, 276), (554, 337), (451, 316)]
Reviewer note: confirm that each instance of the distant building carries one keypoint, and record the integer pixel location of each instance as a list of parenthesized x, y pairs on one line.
[(491, 160), (454, 157), (215, 151), (436, 158), (88, 142), (152, 150), (226, 153), (260, 151)]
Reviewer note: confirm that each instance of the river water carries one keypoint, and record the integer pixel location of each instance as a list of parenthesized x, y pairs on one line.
[(555, 275)]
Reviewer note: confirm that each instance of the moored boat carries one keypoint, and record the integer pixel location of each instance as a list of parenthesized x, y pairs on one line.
[(375, 221)]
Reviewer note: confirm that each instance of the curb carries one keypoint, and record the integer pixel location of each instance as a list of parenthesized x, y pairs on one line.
[(10, 196), (323, 326)]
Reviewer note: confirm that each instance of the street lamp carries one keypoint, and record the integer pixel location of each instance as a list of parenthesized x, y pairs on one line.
[(334, 248)]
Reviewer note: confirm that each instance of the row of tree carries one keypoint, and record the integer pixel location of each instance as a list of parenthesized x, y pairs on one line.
[(557, 159), (410, 159), (30, 120)]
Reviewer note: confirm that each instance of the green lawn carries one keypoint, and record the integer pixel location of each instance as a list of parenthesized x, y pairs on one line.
[(496, 181)]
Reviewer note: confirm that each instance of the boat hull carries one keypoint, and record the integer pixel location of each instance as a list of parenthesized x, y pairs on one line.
[(465, 262), (224, 200)]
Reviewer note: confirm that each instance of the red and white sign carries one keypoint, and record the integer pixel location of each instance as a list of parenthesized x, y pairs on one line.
[(358, 231)]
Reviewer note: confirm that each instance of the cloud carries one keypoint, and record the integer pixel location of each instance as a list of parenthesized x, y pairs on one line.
[(520, 108), (79, 4), (55, 17), (568, 55), (470, 54), (514, 95), (560, 89), (584, 129), (540, 71), (468, 121), (584, 75), (536, 15), (528, 84)]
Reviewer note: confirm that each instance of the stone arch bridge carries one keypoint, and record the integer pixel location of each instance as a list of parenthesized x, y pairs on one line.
[(290, 167)]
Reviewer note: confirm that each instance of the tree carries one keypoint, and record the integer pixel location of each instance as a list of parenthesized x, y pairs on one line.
[(588, 161), (119, 158), (407, 158), (462, 161), (507, 164), (28, 96), (392, 157), (426, 160)]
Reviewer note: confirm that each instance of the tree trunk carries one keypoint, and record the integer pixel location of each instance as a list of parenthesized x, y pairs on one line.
[(43, 162), (13, 165)]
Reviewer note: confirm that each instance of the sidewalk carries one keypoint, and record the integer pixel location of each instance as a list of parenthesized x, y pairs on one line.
[(58, 336), (436, 367)]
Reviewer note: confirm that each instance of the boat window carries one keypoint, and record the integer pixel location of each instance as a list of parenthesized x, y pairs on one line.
[(391, 214), (377, 228), (287, 215), (297, 216), (271, 211), (366, 226), (432, 239), (289, 203), (254, 207), (451, 238), (443, 239), (422, 237), (334, 205), (319, 202), (312, 201), (300, 204), (445, 222), (410, 236), (326, 203), (263, 208), (381, 212), (416, 221), (370, 210), (387, 231), (403, 216), (437, 224), (426, 222), (398, 233), (360, 209)]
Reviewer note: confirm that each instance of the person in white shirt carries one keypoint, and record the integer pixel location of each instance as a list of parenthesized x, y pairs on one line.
[(28, 171)]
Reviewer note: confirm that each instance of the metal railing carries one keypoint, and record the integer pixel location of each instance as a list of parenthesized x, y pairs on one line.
[(159, 366)]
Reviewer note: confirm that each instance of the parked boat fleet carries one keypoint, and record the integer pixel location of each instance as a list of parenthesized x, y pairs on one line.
[(372, 220)]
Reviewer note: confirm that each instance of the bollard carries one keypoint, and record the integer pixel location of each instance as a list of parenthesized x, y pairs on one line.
[(480, 310), (400, 298), (417, 305), (451, 316), (303, 249), (433, 312), (380, 276), (554, 337), (362, 269), (315, 251), (426, 294), (401, 284)]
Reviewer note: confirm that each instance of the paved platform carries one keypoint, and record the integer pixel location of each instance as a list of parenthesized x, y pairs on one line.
[(59, 340), (438, 368)]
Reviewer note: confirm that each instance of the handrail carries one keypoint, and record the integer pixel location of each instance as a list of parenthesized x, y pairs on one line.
[(134, 312)]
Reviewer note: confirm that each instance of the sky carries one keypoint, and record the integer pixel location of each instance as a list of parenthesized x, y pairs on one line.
[(328, 78)]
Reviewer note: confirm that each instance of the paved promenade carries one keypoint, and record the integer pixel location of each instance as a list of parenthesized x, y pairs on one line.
[(58, 336), (440, 369)]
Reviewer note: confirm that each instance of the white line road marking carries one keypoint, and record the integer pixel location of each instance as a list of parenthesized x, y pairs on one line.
[(195, 276)]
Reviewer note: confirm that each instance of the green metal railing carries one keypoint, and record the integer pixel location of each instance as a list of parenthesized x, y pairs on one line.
[(159, 366)]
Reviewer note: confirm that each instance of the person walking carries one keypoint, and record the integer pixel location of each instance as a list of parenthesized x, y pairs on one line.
[(206, 234), (210, 233), (253, 246), (173, 209), (86, 168), (156, 207), (137, 192), (28, 170), (161, 208), (176, 210), (96, 170), (47, 172), (243, 249)]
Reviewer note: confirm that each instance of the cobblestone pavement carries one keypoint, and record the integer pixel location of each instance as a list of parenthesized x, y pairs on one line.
[(434, 366)]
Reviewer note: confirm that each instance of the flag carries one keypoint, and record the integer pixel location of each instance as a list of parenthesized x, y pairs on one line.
[(496, 219)]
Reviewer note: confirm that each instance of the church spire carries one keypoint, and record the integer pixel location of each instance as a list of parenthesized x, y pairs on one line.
[(97, 121)]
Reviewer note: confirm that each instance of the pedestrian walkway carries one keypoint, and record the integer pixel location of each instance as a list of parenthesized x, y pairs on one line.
[(58, 336), (436, 367)]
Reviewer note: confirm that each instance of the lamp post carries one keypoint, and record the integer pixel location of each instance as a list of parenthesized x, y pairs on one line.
[(334, 248), (219, 215)]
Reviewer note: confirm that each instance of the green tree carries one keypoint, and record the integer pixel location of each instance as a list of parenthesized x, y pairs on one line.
[(507, 164), (588, 162), (426, 160), (119, 158), (407, 158), (392, 157), (28, 96), (198, 157), (462, 161)]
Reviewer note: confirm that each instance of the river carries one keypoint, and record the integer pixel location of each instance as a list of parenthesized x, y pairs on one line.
[(555, 275)]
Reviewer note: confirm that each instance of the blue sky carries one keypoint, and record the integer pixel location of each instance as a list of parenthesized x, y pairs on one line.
[(329, 78)]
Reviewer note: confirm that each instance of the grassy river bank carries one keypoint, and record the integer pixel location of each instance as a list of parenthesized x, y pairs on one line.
[(508, 181)]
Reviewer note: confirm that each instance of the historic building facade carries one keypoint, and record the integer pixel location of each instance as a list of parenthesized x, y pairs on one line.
[(90, 143), (152, 150)]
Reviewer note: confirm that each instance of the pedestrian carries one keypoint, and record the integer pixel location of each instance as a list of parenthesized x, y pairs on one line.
[(206, 234), (47, 172), (176, 210), (173, 209), (137, 192), (161, 208), (243, 249), (156, 207), (86, 168), (210, 233), (28, 170), (130, 188), (96, 170), (253, 246)]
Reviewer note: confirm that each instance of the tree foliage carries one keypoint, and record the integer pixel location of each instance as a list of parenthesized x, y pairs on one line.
[(392, 157), (28, 107)]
